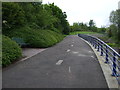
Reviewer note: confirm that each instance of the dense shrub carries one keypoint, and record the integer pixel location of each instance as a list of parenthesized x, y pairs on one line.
[(10, 51), (43, 38), (37, 38)]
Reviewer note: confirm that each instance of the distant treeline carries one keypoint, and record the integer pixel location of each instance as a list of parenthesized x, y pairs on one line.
[(91, 26)]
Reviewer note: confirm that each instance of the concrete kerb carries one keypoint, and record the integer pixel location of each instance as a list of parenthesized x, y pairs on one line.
[(111, 81), (31, 55)]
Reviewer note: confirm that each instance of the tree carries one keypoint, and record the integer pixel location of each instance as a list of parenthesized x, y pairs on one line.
[(102, 29), (115, 20), (34, 15), (12, 16), (61, 24), (91, 23), (92, 26), (76, 27), (79, 27)]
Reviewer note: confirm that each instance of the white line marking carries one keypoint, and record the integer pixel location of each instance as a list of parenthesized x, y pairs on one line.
[(92, 56), (82, 55), (69, 70), (68, 50), (59, 62), (90, 51), (75, 52)]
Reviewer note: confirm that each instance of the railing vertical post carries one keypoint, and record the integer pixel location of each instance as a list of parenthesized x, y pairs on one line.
[(91, 40), (88, 39), (101, 49), (95, 43), (106, 55), (98, 46), (114, 65)]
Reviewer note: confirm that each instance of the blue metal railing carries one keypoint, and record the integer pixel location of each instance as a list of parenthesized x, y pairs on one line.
[(112, 58)]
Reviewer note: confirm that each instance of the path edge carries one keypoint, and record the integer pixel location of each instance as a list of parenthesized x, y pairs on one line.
[(111, 81), (31, 56)]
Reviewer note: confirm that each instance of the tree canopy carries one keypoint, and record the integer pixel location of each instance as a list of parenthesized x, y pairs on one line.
[(35, 15), (115, 20)]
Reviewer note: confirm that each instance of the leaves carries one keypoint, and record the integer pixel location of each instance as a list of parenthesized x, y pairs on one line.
[(10, 51), (43, 16), (115, 20)]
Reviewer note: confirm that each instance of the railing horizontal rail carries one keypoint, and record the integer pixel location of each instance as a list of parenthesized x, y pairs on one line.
[(111, 56)]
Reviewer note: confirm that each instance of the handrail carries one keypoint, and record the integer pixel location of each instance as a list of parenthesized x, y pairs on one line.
[(107, 51)]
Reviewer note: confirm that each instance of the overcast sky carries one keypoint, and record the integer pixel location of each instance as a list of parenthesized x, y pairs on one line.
[(84, 10)]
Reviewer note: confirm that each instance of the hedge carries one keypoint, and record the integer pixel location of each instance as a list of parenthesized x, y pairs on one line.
[(10, 51), (37, 38)]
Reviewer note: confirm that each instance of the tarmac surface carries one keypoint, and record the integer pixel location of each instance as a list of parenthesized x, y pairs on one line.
[(69, 64)]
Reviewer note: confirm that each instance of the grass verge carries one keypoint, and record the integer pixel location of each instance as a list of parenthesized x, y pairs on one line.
[(82, 32)]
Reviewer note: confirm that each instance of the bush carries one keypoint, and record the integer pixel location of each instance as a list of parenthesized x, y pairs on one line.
[(10, 51), (113, 44), (37, 38)]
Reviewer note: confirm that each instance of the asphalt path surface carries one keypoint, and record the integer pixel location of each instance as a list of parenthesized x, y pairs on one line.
[(69, 64)]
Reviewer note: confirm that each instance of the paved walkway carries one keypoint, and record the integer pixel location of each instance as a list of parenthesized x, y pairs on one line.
[(69, 64)]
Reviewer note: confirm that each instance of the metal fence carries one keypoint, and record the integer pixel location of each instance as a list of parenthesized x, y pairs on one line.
[(112, 58)]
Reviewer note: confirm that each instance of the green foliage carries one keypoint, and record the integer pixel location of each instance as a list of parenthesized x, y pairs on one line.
[(10, 51), (37, 38), (112, 44), (12, 16), (35, 15), (84, 27), (94, 29), (92, 26), (91, 23), (105, 38), (44, 38), (114, 17), (82, 32), (115, 20), (0, 50), (61, 23), (79, 27), (101, 30), (37, 24), (112, 31)]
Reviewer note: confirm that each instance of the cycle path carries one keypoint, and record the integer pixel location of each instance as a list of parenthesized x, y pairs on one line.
[(69, 64)]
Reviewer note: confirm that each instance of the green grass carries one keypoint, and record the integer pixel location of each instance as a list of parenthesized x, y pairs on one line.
[(82, 32)]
